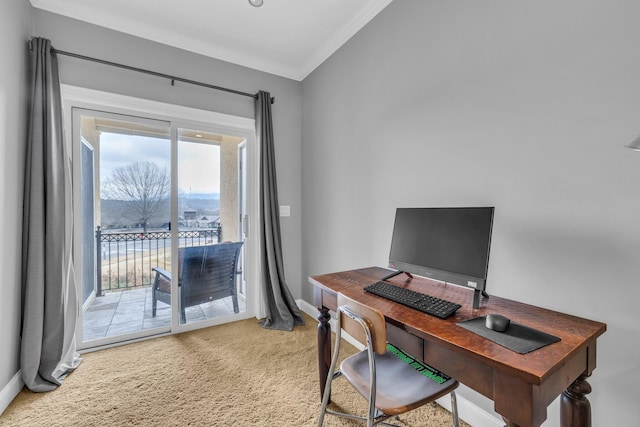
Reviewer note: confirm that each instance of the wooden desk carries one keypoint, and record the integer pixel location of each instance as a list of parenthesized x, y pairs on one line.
[(521, 386)]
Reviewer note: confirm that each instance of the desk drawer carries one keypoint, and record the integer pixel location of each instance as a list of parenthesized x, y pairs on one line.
[(405, 341), (468, 371)]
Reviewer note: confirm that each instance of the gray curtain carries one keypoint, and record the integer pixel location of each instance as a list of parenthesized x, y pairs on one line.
[(49, 302), (282, 311)]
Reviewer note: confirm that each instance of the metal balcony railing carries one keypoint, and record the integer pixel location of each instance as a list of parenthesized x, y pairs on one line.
[(125, 260)]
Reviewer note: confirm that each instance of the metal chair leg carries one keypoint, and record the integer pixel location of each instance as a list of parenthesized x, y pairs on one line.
[(454, 409)]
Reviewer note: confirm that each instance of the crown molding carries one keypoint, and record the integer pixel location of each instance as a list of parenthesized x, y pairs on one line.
[(298, 72)]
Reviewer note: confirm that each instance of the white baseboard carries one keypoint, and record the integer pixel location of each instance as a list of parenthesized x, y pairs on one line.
[(467, 411), (470, 413), (10, 391)]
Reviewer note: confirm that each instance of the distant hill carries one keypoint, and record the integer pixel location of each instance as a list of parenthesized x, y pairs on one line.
[(118, 213)]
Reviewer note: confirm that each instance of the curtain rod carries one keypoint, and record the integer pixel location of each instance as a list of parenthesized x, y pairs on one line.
[(154, 73)]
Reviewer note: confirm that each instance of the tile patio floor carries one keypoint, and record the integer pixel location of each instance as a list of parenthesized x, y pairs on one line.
[(128, 311)]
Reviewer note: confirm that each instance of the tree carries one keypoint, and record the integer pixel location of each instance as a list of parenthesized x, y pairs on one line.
[(143, 185)]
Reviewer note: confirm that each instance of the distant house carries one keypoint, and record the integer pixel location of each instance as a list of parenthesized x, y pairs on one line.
[(191, 219), (205, 222)]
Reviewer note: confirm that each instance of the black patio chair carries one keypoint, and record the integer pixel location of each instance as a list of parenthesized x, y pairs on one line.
[(207, 273)]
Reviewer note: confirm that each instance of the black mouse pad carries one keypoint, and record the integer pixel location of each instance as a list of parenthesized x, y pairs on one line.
[(519, 338)]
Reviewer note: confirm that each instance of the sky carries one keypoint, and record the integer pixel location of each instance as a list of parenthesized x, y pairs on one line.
[(198, 164)]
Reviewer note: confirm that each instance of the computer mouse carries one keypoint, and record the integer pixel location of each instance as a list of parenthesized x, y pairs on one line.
[(497, 322)]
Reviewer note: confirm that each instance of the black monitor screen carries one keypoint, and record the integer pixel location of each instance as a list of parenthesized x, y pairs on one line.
[(447, 244)]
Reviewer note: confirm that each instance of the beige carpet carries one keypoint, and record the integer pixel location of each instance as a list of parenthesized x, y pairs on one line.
[(237, 374)]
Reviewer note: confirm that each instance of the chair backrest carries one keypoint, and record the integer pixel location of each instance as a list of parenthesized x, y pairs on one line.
[(374, 319), (208, 272)]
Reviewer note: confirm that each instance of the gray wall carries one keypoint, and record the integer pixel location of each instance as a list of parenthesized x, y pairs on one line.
[(86, 39), (525, 106), (15, 30)]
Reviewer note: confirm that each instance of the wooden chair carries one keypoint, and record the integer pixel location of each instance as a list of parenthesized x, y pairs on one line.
[(207, 273), (391, 385)]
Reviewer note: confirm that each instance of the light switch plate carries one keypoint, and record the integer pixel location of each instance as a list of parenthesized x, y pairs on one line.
[(285, 210)]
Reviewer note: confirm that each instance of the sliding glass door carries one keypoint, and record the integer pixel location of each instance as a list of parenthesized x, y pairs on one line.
[(208, 212), (160, 246)]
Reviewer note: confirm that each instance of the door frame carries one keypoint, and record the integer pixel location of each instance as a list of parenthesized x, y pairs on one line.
[(178, 116), (242, 209)]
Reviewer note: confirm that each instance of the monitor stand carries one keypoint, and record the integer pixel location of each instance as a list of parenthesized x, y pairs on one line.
[(476, 297), (396, 273)]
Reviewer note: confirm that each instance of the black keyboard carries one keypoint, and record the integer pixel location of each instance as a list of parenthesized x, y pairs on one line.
[(416, 300)]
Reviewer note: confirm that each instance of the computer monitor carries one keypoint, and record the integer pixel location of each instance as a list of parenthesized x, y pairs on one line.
[(445, 244)]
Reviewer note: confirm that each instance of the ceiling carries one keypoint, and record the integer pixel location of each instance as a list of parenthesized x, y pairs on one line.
[(289, 38)]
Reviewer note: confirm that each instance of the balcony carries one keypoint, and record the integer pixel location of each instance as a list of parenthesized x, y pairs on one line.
[(129, 311), (122, 302)]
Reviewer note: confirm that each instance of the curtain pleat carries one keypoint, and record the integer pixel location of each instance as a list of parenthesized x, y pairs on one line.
[(49, 302), (282, 311)]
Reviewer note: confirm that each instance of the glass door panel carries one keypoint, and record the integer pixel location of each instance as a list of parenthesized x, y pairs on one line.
[(125, 209), (208, 226)]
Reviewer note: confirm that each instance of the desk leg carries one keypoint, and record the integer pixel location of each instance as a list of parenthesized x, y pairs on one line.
[(575, 409), (324, 346)]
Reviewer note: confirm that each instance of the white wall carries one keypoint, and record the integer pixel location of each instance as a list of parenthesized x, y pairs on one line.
[(525, 106), (15, 29)]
